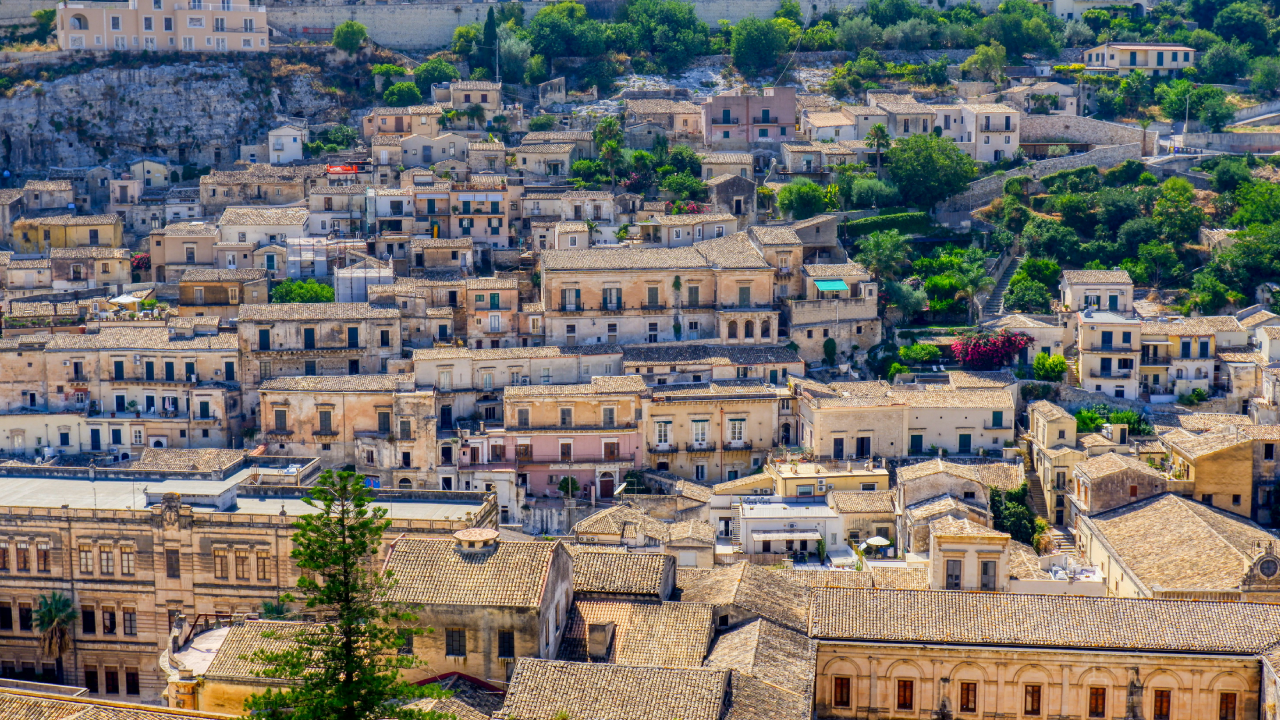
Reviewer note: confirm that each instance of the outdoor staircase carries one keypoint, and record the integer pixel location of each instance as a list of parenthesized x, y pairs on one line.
[(735, 526), (1063, 540), (995, 302), (1035, 496), (1073, 372)]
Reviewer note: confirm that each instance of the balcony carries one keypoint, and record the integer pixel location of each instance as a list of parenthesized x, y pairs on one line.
[(783, 273), (653, 307), (1111, 348), (574, 458), (660, 449), (740, 446), (988, 426), (762, 120), (738, 307), (325, 432), (1166, 360), (612, 308), (215, 6), (726, 121), (703, 448), (1113, 374)]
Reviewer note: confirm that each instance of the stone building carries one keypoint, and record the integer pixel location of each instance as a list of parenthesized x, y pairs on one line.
[(712, 431), (40, 234), (734, 195), (933, 489), (293, 339), (77, 268), (1218, 465), (258, 184), (221, 293), (382, 424), (183, 246), (1111, 480), (1109, 346), (838, 302)]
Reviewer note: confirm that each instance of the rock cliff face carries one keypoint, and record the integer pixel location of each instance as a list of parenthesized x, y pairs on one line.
[(190, 113)]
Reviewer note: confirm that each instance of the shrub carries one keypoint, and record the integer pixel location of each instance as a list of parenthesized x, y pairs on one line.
[(1081, 179), (1049, 368), (987, 351), (916, 222), (402, 94), (349, 36), (920, 354), (1126, 173), (896, 369), (1088, 421)]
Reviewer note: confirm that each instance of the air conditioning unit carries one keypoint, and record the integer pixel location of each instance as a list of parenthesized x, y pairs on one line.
[(791, 526), (66, 363), (137, 358), (524, 379), (113, 450)]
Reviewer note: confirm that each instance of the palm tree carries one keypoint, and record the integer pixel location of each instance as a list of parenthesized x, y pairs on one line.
[(608, 129), (592, 229), (54, 618), (879, 138), (611, 157), (885, 253), (275, 609), (973, 280)]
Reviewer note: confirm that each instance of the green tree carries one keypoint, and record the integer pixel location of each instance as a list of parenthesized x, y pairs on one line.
[(802, 199), (1216, 113), (684, 186), (1049, 368), (857, 32), (402, 94), (347, 666), (756, 45), (1258, 203), (436, 70), (1208, 293), (349, 36), (1160, 261), (987, 61), (568, 486), (1088, 421), (1223, 63), (1045, 272), (829, 351), (972, 280), (1230, 174), (1265, 77), (275, 610), (920, 354), (542, 123), (489, 36), (611, 158), (536, 70), (1028, 296), (790, 10), (54, 619), (1179, 219), (928, 169), (885, 253), (295, 291), (879, 139), (1045, 238), (669, 30), (1242, 22), (606, 131)]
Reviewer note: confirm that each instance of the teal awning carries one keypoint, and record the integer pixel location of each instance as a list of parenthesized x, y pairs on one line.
[(831, 285)]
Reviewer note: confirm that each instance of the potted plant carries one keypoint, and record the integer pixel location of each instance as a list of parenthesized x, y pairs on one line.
[(133, 408)]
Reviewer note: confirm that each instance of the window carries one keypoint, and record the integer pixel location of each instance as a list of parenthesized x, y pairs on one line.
[(455, 643), (220, 564), (282, 420), (23, 557), (264, 566), (242, 565), (662, 433), (326, 421), (954, 568), (91, 678), (24, 616), (112, 681), (506, 644), (4, 557), (988, 574), (1031, 700), (906, 694), (522, 417), (88, 620), (86, 560), (1097, 702), (384, 422), (1227, 706), (130, 618), (840, 696), (1269, 451), (108, 621), (6, 616), (735, 430), (1161, 705), (566, 417), (700, 431), (969, 697), (107, 560), (172, 566), (131, 681)]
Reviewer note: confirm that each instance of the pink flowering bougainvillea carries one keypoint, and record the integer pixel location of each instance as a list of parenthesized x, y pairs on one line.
[(987, 351)]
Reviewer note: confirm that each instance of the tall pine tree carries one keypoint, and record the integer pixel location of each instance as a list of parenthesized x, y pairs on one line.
[(489, 53), (347, 666)]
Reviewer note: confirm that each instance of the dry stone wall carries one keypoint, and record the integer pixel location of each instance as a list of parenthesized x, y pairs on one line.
[(983, 191), (1042, 128)]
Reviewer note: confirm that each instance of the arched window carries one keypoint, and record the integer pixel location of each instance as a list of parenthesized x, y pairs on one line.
[(733, 329), (749, 329), (406, 484), (764, 328), (78, 22), (1179, 373)]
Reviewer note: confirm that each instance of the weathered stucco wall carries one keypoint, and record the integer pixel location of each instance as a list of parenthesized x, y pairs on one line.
[(1234, 142), (1042, 128)]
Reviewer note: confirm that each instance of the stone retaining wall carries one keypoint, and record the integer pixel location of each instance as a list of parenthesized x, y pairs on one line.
[(983, 191), (1041, 128), (1234, 142)]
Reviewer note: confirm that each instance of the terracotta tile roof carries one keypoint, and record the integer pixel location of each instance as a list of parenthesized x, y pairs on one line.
[(839, 270), (475, 85), (727, 158), (37, 264), (215, 275), (1005, 476), (335, 383), (271, 312), (1024, 563), (981, 378), (543, 689), (773, 671), (1255, 358), (143, 339), (48, 185), (1196, 421), (1105, 277), (95, 253), (774, 235), (545, 351), (617, 519), (254, 215), (767, 593), (18, 704), (435, 572), (623, 573), (731, 251), (901, 578), (716, 355), (1207, 443), (956, 527), (1049, 411), (1063, 621), (662, 634), (1110, 463), (543, 136), (686, 530), (942, 398), (233, 659), (1193, 326), (70, 220), (197, 460), (661, 106), (1258, 318), (599, 385), (853, 501), (1016, 321), (450, 708), (1091, 440), (940, 504), (829, 119), (262, 172), (1171, 542), (749, 388), (546, 148), (832, 578)]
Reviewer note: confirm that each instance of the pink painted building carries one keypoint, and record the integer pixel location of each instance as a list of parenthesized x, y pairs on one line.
[(739, 118)]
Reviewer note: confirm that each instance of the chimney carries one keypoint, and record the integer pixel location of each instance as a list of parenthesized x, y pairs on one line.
[(599, 638), (476, 541)]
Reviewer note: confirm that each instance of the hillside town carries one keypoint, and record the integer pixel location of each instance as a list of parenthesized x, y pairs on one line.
[(654, 360)]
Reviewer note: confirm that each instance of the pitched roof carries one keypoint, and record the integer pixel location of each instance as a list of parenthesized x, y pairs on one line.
[(963, 527), (546, 148), (228, 275), (981, 378), (1196, 446), (664, 634), (1106, 464), (767, 593), (728, 158), (95, 253), (622, 573), (717, 355), (194, 460), (269, 312), (1171, 542), (257, 215), (660, 106), (233, 659), (1050, 411), (520, 353), (436, 572), (1193, 326), (16, 704), (1005, 476), (1062, 621), (543, 689), (381, 382), (773, 671), (1106, 277), (599, 385), (854, 501)]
